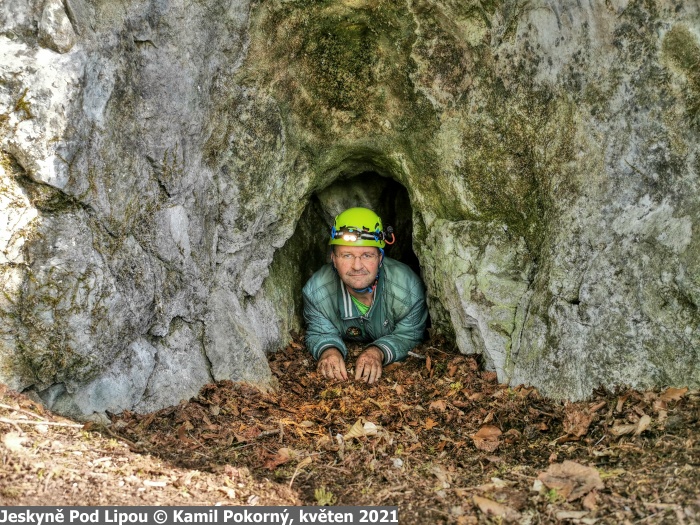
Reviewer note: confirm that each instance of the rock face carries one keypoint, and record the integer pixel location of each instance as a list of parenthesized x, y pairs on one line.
[(168, 170)]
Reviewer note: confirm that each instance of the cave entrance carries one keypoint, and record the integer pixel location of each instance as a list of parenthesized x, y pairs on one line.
[(388, 198), (307, 249)]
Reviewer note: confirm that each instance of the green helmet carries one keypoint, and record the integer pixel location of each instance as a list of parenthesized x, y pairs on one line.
[(358, 227)]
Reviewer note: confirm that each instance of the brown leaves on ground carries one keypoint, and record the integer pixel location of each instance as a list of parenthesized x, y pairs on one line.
[(576, 420), (493, 508), (440, 438), (487, 438), (673, 394), (571, 480), (60, 462)]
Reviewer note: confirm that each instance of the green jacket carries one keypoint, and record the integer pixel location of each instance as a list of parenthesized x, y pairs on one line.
[(395, 323)]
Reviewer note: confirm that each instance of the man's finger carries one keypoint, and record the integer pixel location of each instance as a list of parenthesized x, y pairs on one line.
[(376, 373), (360, 370)]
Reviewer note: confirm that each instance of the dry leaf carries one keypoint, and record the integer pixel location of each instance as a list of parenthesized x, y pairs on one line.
[(642, 425), (429, 423), (13, 441), (439, 405), (399, 390), (673, 394), (572, 480), (513, 435), (428, 363), (621, 430), (488, 506), (283, 456), (663, 416), (597, 406), (590, 501), (370, 429), (304, 463), (491, 377), (621, 402), (452, 369), (442, 475), (576, 421), (230, 493), (487, 438), (361, 428)]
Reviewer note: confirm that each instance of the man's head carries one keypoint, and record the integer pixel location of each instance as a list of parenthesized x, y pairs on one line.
[(357, 266), (357, 239)]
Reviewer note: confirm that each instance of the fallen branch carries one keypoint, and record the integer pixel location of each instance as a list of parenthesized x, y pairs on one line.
[(132, 446), (26, 422), (22, 411)]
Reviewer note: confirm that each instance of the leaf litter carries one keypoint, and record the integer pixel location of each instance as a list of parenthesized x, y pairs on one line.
[(437, 436)]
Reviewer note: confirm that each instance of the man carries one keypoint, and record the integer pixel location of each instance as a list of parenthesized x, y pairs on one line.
[(362, 296)]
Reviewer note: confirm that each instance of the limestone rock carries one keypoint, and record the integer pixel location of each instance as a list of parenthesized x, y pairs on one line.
[(55, 29), (168, 170)]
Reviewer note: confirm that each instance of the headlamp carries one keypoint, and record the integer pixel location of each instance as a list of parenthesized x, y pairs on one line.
[(350, 237)]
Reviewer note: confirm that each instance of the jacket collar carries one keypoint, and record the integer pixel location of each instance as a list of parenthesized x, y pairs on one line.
[(346, 299)]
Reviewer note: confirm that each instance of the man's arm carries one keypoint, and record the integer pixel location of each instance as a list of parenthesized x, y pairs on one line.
[(408, 331), (321, 333)]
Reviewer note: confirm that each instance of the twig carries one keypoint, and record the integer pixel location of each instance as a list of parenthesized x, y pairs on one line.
[(648, 517), (132, 446), (300, 466), (26, 412), (663, 506), (52, 423), (437, 511)]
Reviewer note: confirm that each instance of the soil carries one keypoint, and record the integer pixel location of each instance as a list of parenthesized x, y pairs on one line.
[(437, 436)]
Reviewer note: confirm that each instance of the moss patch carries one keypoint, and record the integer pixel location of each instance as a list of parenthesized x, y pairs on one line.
[(682, 49), (517, 152)]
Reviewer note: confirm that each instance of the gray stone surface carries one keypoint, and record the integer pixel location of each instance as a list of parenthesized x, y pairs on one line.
[(167, 166), (55, 29)]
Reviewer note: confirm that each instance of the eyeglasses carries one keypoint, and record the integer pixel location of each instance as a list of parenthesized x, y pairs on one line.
[(365, 257)]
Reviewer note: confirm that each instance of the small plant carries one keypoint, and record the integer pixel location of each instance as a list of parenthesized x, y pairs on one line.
[(553, 496), (456, 386), (324, 497)]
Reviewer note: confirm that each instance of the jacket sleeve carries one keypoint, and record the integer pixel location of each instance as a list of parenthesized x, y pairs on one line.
[(321, 333), (408, 331)]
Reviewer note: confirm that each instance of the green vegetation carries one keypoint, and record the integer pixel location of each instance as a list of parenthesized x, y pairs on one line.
[(324, 497), (23, 105), (682, 50)]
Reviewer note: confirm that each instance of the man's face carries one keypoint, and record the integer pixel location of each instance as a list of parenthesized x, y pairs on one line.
[(357, 265)]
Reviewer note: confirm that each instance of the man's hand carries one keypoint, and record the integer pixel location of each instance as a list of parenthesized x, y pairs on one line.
[(369, 365), (332, 365)]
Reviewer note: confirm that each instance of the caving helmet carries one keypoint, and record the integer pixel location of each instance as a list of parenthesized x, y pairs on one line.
[(359, 227)]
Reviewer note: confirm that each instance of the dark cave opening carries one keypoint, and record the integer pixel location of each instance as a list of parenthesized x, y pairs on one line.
[(307, 249)]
